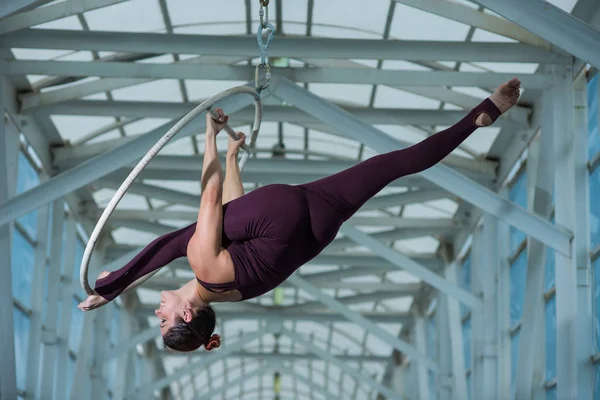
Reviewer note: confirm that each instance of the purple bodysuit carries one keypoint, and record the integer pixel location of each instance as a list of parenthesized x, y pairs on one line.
[(272, 231)]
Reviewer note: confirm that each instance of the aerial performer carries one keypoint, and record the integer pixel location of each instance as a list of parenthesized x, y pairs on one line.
[(244, 245)]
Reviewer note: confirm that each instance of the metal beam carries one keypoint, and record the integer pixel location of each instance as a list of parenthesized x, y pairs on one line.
[(443, 94), (287, 166), (147, 109), (490, 269), (66, 157), (555, 237), (420, 341), (404, 223), (405, 263), (35, 99), (9, 7), (552, 24), (227, 349), (391, 235), (567, 365), (38, 283), (582, 247), (540, 175), (51, 13), (49, 332), (280, 357), (294, 47), (100, 166), (454, 330), (8, 172), (276, 314), (341, 365), (372, 261), (387, 289), (368, 76), (345, 300), (477, 19), (361, 321)]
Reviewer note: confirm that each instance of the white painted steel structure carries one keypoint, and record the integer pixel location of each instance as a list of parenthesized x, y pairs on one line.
[(415, 299)]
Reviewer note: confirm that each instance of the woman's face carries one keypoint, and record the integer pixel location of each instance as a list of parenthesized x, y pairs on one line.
[(171, 307)]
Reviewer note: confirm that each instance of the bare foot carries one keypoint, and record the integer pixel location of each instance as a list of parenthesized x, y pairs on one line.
[(94, 301), (505, 97)]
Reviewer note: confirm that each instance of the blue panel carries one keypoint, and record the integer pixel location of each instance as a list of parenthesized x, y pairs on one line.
[(514, 359), (79, 249), (469, 387), (595, 207), (115, 325), (46, 283), (551, 393), (597, 383), (431, 338), (550, 270), (464, 281), (551, 338), (76, 327), (466, 331), (432, 388), (22, 265), (594, 139), (518, 276), (596, 271), (518, 195), (27, 178), (70, 374), (21, 329)]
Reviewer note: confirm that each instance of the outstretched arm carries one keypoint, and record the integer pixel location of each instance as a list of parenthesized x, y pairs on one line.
[(205, 246), (157, 254), (233, 188)]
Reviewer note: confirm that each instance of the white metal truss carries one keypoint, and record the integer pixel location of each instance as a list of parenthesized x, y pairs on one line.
[(355, 280)]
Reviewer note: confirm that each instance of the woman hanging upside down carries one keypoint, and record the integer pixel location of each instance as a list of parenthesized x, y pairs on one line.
[(243, 246)]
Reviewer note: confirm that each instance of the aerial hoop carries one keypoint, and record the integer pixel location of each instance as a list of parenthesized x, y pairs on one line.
[(204, 106)]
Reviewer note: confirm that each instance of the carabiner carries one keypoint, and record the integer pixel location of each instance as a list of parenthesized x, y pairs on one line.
[(260, 87)]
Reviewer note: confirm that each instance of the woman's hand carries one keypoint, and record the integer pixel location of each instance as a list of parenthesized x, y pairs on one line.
[(213, 127), (234, 145)]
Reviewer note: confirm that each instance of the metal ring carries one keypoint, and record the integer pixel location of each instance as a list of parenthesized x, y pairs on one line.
[(205, 105)]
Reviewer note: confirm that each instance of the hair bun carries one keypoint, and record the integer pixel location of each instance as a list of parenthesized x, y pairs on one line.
[(213, 343)]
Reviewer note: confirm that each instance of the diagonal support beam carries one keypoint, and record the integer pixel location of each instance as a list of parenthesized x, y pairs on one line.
[(102, 165), (478, 19), (441, 175), (342, 366), (9, 7), (406, 263), (228, 349), (551, 23), (51, 13), (363, 322)]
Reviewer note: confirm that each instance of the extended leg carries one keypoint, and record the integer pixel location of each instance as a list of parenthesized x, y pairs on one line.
[(348, 190)]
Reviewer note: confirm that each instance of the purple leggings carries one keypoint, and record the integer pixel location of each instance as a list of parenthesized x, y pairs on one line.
[(274, 230)]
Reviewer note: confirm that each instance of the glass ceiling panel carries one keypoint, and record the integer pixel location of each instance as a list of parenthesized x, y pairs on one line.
[(413, 24), (130, 16), (366, 17), (184, 12), (163, 90)]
